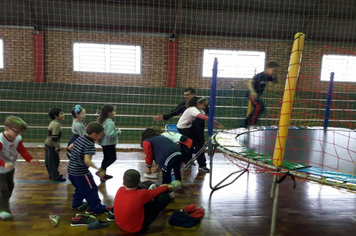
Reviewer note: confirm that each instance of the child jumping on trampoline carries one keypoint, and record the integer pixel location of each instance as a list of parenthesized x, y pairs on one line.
[(256, 86)]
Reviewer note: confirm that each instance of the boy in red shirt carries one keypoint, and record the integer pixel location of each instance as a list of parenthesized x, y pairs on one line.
[(135, 208)]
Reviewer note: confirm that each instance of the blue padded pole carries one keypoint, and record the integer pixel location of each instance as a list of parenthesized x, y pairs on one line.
[(328, 102), (212, 98)]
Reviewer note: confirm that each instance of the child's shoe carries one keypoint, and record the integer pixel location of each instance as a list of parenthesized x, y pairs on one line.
[(153, 175), (204, 169), (5, 215), (89, 211), (152, 186), (82, 220), (82, 206), (105, 210), (176, 184), (111, 216)]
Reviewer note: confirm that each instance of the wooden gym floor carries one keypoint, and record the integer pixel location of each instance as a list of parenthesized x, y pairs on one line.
[(243, 208)]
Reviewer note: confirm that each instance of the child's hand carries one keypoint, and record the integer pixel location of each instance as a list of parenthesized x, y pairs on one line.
[(35, 162), (70, 148), (157, 170), (118, 131), (158, 118), (9, 165)]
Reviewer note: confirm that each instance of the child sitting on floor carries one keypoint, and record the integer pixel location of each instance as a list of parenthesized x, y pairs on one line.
[(136, 208)]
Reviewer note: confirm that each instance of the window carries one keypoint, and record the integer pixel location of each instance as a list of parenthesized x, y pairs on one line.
[(2, 66), (107, 58), (344, 68), (234, 64)]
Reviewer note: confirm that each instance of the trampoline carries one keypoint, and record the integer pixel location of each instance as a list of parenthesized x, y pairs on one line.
[(326, 156)]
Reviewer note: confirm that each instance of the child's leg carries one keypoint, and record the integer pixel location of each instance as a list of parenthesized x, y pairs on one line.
[(256, 111), (152, 209), (77, 196), (166, 176), (174, 163), (176, 167), (6, 188), (52, 163), (88, 189), (47, 158), (109, 156), (199, 142), (186, 154)]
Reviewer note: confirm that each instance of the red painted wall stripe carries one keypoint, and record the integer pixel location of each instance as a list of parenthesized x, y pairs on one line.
[(38, 56), (172, 63)]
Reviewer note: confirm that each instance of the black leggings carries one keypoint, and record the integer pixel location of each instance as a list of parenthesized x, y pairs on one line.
[(198, 143), (109, 156)]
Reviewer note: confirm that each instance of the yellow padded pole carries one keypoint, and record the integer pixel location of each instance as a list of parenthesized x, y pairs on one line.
[(249, 109), (288, 97)]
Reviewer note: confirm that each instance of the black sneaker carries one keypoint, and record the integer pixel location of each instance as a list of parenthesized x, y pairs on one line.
[(82, 220), (204, 169), (111, 216), (60, 179), (89, 210), (82, 206), (106, 211)]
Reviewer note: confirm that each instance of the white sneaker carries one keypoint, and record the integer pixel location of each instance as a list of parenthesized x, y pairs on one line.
[(153, 175), (5, 215), (176, 184), (152, 186)]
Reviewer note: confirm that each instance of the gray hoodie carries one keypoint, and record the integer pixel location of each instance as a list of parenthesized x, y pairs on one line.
[(111, 133)]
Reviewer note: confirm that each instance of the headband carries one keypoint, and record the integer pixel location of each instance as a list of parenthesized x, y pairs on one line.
[(78, 109), (201, 99)]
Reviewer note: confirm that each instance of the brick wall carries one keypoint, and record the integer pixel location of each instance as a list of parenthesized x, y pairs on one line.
[(18, 49), (58, 59)]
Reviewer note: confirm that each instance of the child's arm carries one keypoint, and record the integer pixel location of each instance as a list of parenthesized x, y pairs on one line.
[(88, 162), (251, 88), (7, 165), (27, 156), (152, 193), (111, 130), (55, 136), (205, 117), (149, 155), (70, 148)]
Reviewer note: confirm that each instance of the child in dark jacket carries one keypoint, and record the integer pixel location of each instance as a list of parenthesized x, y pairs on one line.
[(165, 153)]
